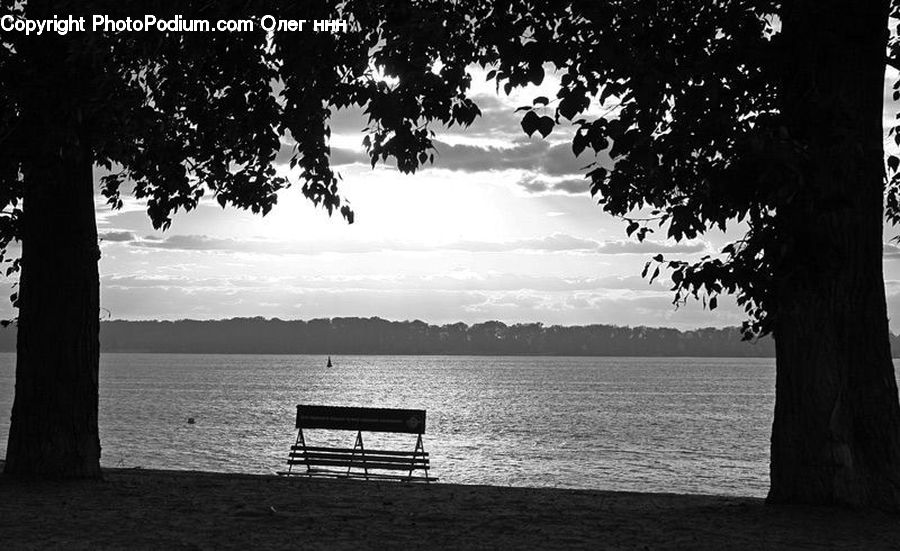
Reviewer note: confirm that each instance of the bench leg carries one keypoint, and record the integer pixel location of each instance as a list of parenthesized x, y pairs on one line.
[(302, 440), (420, 447), (362, 454), (299, 442)]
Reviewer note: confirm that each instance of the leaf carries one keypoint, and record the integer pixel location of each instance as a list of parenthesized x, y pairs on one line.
[(541, 100), (347, 213), (530, 123), (893, 163), (536, 74), (545, 126), (579, 143), (573, 102), (568, 107)]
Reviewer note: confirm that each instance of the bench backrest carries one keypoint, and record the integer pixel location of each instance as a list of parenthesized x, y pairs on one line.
[(368, 419)]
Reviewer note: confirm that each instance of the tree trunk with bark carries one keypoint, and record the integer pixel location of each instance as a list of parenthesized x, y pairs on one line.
[(836, 434), (53, 431)]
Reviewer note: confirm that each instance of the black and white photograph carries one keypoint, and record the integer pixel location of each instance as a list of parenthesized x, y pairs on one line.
[(449, 274)]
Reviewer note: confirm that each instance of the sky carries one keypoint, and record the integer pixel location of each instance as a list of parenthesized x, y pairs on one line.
[(499, 227)]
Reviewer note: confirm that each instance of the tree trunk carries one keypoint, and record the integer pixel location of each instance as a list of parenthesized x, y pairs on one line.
[(53, 431), (836, 434)]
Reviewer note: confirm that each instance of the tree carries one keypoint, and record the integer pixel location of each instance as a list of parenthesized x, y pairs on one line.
[(760, 114), (178, 115), (756, 114)]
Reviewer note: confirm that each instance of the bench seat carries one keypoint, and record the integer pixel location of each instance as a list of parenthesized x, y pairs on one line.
[(358, 462), (358, 476)]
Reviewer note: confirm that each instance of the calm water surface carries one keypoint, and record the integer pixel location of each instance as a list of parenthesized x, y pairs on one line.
[(687, 425)]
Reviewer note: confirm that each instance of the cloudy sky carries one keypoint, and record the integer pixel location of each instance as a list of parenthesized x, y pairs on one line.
[(500, 227)]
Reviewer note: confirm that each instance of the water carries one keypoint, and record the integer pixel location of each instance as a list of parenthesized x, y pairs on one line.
[(685, 425)]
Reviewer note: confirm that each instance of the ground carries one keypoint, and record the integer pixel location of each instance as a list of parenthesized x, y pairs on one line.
[(138, 508)]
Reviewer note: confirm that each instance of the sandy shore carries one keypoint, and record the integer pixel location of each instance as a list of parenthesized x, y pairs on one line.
[(191, 510)]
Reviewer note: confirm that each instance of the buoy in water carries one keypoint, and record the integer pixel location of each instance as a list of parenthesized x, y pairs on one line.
[(190, 421)]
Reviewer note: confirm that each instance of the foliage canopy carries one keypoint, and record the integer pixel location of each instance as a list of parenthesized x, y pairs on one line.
[(682, 96)]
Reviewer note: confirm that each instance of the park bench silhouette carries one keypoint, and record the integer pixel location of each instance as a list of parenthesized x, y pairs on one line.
[(359, 462)]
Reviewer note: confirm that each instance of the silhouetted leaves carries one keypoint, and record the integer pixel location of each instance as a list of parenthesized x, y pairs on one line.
[(532, 123), (182, 115), (681, 96)]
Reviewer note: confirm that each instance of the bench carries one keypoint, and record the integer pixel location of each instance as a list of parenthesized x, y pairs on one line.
[(358, 462)]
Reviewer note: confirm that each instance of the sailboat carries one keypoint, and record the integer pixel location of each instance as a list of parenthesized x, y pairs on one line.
[(329, 362)]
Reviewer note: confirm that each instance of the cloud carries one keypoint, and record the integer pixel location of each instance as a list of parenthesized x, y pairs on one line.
[(498, 119), (339, 155), (118, 236), (204, 243), (434, 305), (890, 251), (552, 243), (489, 282), (495, 142), (535, 155), (350, 120), (556, 243), (564, 242), (283, 157), (571, 186), (548, 244), (344, 156), (635, 247), (491, 104)]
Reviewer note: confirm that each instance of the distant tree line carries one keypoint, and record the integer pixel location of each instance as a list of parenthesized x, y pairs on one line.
[(380, 336)]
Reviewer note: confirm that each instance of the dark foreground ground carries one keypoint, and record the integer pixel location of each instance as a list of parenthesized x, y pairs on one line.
[(191, 510)]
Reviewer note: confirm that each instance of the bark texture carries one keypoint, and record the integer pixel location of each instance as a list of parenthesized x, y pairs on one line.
[(53, 430), (836, 433)]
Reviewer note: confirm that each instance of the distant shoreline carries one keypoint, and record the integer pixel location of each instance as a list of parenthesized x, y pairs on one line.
[(136, 508), (380, 337), (335, 356), (377, 336)]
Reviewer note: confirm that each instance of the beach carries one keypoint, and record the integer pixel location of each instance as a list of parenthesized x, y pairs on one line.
[(156, 509)]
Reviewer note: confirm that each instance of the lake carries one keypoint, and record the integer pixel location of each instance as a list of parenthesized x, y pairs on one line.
[(685, 425)]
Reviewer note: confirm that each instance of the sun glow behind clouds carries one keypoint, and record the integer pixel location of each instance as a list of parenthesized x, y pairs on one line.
[(431, 207), (484, 233), (501, 227)]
